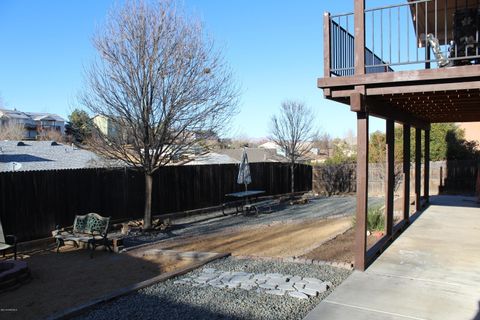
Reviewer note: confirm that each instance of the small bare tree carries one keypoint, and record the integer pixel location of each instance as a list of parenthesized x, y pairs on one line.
[(158, 82), (12, 130), (293, 130)]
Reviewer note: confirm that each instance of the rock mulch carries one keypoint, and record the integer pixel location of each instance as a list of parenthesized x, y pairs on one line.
[(198, 300)]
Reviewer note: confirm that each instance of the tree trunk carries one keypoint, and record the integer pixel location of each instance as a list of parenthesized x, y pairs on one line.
[(292, 175), (147, 216)]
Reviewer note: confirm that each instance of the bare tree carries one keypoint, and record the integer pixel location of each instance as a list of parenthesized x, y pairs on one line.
[(325, 143), (293, 130), (12, 130), (158, 81)]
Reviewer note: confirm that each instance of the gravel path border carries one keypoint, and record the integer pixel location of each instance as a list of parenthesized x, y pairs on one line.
[(167, 300)]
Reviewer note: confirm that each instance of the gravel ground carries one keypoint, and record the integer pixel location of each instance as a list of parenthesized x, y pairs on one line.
[(167, 300), (216, 222)]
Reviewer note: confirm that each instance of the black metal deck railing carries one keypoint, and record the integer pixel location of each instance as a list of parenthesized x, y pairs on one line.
[(413, 35)]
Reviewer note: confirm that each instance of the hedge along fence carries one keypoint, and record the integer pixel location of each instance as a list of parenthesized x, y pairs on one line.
[(32, 203)]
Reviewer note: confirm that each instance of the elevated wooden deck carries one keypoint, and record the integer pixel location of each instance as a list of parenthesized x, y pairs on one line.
[(423, 96)]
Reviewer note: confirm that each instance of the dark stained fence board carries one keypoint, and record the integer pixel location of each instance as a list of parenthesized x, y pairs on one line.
[(32, 203)]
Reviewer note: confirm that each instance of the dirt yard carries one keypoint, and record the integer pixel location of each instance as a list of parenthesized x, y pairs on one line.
[(272, 240), (71, 278), (338, 249)]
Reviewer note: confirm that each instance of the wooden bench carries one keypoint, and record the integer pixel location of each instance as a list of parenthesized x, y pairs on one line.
[(91, 229), (260, 206)]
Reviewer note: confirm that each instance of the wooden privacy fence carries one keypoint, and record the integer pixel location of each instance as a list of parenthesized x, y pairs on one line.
[(32, 203)]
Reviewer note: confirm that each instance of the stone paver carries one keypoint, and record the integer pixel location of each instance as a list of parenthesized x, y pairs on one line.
[(270, 283)]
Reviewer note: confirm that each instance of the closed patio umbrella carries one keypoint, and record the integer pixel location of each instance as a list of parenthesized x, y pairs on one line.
[(244, 176)]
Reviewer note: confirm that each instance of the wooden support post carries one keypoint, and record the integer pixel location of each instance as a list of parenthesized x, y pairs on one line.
[(326, 45), (389, 176), (359, 41), (426, 175), (362, 192), (406, 173), (418, 173)]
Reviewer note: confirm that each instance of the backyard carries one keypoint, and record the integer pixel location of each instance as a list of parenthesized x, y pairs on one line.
[(284, 241)]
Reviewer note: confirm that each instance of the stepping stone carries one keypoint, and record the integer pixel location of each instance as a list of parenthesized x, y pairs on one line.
[(209, 270), (274, 275), (199, 280), (233, 285), (319, 287), (247, 287), (309, 292), (260, 277), (240, 273), (286, 287), (313, 280), (297, 295), (180, 282), (267, 286), (276, 292), (295, 279), (275, 282), (206, 278), (299, 286), (301, 282)]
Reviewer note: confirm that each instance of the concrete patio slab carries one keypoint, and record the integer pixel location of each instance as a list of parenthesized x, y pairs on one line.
[(430, 272)]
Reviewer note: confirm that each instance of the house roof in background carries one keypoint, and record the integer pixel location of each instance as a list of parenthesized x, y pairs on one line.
[(254, 154), (42, 155), (37, 116), (211, 158), (14, 114)]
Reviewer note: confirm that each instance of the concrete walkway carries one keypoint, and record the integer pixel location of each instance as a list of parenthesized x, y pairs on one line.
[(432, 271)]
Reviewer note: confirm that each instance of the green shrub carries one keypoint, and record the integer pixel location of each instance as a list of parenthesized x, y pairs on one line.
[(375, 219)]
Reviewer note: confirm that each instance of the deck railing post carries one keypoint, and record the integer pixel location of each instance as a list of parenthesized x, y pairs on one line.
[(326, 45), (406, 172), (359, 44), (357, 103), (418, 174), (389, 176)]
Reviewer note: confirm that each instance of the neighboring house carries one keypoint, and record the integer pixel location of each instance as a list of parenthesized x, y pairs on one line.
[(210, 158), (47, 121), (34, 123), (472, 131), (314, 155), (254, 154), (45, 155), (105, 125)]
